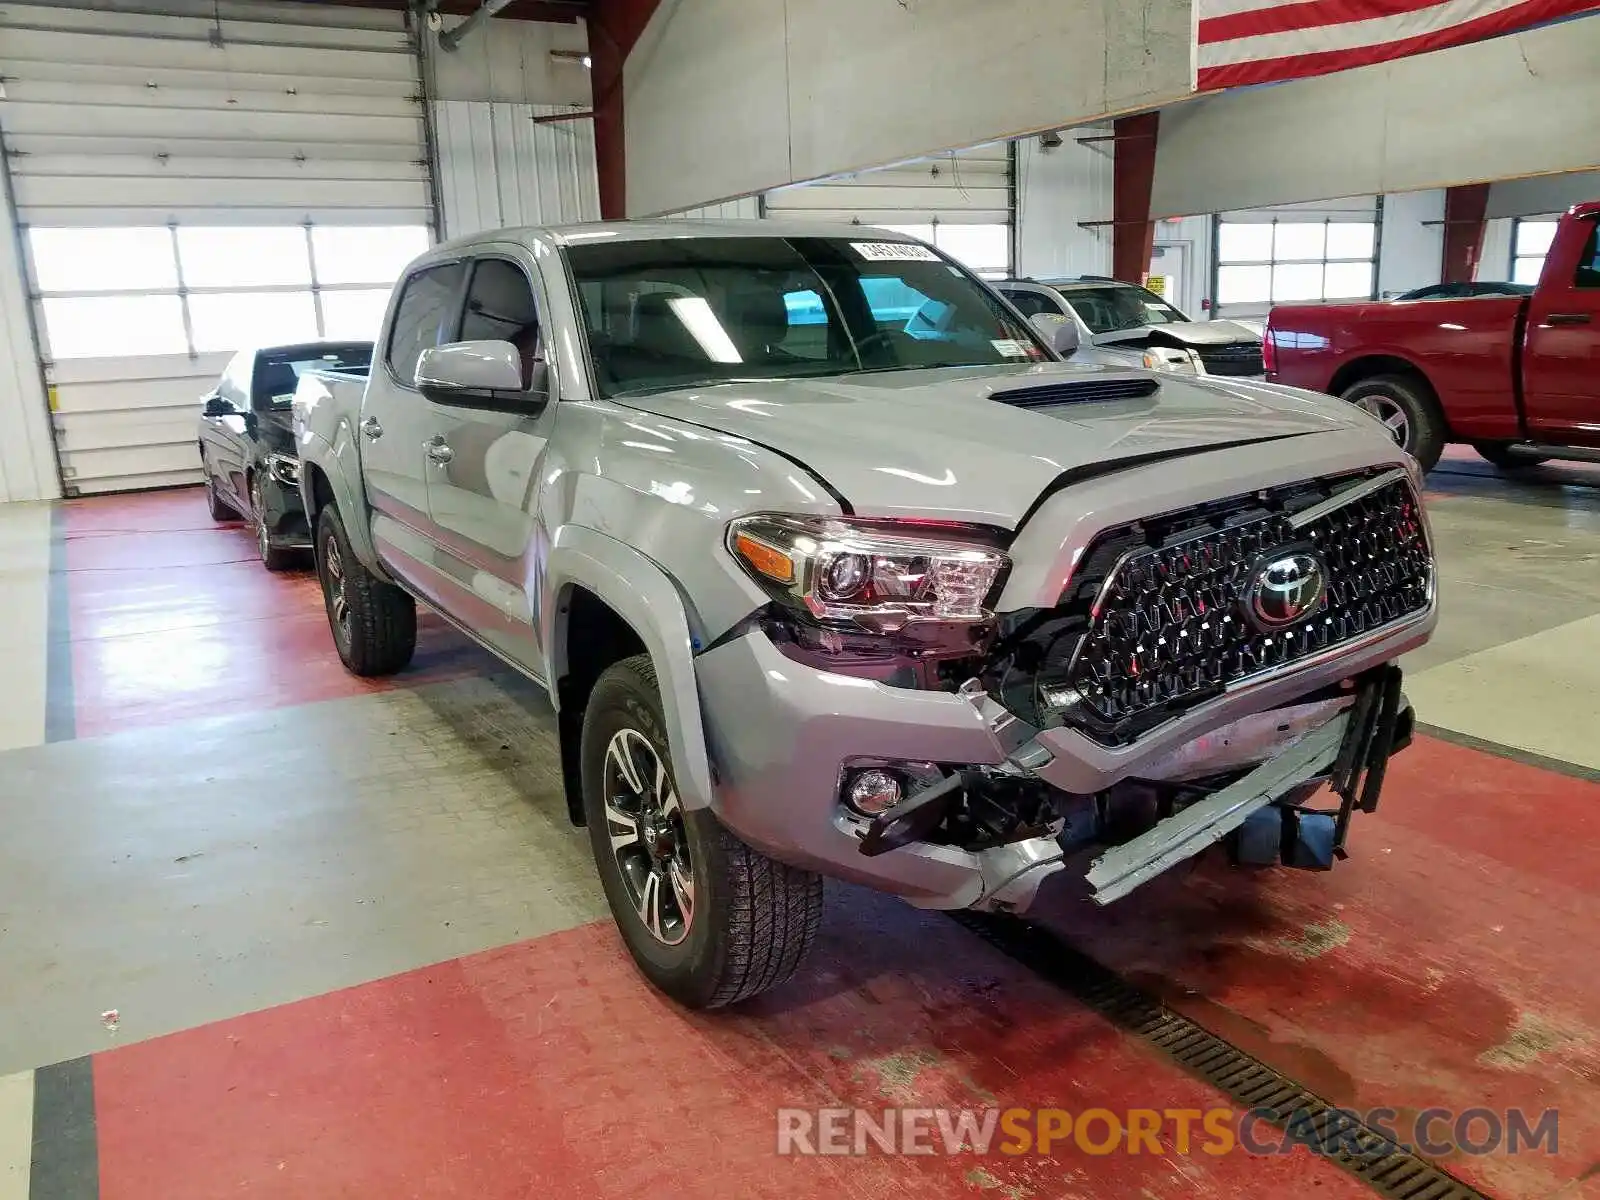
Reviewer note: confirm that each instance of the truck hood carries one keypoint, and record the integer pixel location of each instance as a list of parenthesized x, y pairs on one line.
[(1184, 333), (935, 444)]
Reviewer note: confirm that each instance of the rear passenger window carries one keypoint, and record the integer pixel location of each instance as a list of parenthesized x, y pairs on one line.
[(426, 316), (1589, 261)]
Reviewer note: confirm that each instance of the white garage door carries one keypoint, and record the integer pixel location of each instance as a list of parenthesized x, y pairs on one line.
[(960, 202), (1297, 254), (196, 177)]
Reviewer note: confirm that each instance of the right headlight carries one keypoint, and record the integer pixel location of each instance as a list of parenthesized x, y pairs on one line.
[(285, 469), (1166, 359), (879, 576)]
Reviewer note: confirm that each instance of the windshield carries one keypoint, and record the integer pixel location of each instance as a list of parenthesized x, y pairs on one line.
[(278, 371), (683, 311), (1119, 306)]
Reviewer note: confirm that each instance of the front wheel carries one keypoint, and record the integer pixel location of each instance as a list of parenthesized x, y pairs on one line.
[(709, 920), (1405, 406), (374, 623)]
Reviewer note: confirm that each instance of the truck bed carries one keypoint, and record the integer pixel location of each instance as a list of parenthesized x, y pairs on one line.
[(1467, 349)]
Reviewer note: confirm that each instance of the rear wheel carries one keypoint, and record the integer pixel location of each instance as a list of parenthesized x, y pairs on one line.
[(1407, 409), (374, 623), (219, 508), (709, 920), (274, 558), (1496, 453)]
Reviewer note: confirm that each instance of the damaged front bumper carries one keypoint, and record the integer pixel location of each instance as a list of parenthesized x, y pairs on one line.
[(784, 734)]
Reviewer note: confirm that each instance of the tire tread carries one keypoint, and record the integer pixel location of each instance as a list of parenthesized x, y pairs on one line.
[(774, 911), (383, 626)]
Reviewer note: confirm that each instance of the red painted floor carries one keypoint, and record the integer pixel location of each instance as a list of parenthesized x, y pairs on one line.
[(1450, 962), (172, 617), (549, 1069)]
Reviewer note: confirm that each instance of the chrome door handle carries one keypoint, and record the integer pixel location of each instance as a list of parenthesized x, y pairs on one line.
[(371, 428), (439, 451)]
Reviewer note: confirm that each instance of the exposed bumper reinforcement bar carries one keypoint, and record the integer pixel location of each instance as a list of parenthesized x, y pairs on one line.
[(1351, 751), (1117, 872)]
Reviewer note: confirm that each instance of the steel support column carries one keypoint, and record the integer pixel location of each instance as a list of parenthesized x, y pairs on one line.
[(1133, 233), (614, 29), (1465, 209)]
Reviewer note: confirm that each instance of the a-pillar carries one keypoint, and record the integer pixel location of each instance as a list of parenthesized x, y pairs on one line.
[(1133, 233), (1465, 209)]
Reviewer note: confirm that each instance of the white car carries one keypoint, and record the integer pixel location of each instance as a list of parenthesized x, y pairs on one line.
[(1124, 325)]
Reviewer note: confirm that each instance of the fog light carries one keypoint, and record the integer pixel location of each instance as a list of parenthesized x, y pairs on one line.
[(872, 792)]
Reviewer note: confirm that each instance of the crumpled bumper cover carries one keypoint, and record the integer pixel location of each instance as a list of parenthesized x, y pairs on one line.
[(781, 731)]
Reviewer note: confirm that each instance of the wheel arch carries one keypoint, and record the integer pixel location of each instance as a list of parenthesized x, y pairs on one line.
[(323, 481), (1370, 366), (604, 602)]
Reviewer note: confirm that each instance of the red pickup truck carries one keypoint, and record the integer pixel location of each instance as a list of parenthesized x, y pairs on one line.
[(1517, 377)]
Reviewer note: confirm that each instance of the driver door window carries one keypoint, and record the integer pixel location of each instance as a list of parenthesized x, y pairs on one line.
[(501, 308)]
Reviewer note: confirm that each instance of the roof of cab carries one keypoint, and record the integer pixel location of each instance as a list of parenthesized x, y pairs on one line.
[(666, 229)]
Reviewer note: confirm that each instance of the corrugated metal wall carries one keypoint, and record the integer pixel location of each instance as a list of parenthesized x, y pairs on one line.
[(1058, 187), (497, 167), (746, 208), (966, 186)]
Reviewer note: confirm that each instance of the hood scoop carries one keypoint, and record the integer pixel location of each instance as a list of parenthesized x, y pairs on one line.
[(1078, 391)]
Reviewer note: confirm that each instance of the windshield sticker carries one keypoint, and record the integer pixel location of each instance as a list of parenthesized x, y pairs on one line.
[(894, 252), (1010, 348)]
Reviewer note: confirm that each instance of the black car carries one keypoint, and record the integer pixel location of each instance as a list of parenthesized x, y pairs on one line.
[(247, 448)]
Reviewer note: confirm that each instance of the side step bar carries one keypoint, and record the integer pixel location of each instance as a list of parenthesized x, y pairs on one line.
[(1588, 454)]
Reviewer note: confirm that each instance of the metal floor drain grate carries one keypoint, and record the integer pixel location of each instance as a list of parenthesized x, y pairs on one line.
[(1360, 1150)]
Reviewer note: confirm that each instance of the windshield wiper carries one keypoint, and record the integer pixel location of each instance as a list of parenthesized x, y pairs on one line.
[(928, 366)]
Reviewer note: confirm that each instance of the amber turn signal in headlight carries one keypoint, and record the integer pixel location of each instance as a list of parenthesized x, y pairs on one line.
[(879, 575), (764, 559)]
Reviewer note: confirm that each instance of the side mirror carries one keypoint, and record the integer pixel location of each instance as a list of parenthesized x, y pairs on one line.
[(472, 373), (216, 406), (1059, 331)]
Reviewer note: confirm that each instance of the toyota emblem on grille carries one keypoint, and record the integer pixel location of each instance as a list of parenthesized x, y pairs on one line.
[(1286, 589)]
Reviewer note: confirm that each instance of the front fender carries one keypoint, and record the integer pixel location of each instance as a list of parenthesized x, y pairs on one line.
[(638, 591)]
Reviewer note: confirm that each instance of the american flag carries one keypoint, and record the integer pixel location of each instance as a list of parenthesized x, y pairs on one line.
[(1266, 41)]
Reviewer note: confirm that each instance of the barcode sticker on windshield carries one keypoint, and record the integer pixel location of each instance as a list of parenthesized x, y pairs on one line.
[(894, 252), (1011, 349)]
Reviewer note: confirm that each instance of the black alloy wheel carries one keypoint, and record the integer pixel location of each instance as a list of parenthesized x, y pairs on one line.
[(644, 824)]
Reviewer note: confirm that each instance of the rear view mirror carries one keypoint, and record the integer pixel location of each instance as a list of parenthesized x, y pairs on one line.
[(1061, 333), (471, 373)]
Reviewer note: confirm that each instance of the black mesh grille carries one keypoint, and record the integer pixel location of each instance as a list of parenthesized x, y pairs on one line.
[(1169, 628), (1079, 391), (1236, 358)]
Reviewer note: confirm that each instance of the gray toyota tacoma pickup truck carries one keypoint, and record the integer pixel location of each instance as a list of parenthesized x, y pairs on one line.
[(832, 566)]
